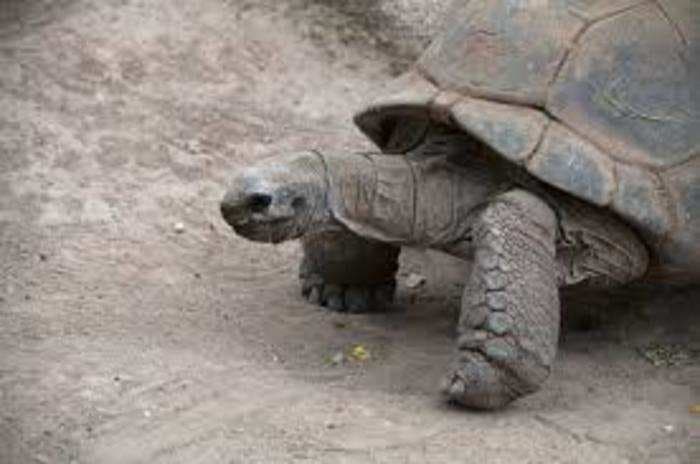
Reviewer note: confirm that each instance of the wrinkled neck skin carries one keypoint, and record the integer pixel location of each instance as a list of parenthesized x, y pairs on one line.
[(429, 203)]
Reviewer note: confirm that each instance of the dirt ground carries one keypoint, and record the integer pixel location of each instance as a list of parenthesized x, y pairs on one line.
[(124, 340)]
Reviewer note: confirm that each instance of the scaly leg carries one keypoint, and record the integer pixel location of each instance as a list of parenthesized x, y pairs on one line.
[(509, 324), (344, 272)]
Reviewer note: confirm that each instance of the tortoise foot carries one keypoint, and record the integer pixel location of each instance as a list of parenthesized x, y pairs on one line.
[(347, 298)]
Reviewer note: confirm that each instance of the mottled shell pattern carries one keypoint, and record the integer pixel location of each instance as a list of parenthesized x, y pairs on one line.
[(598, 98)]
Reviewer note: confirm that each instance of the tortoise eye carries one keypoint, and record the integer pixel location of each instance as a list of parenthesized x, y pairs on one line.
[(298, 203)]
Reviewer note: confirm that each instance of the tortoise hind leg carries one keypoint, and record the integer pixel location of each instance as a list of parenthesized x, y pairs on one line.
[(598, 250), (344, 272), (509, 324)]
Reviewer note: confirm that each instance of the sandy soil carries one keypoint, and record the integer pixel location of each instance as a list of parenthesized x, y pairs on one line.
[(124, 341)]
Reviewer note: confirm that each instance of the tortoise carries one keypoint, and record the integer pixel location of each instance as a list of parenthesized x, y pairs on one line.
[(553, 142)]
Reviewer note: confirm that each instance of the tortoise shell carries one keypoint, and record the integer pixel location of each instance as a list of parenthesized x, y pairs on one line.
[(598, 98)]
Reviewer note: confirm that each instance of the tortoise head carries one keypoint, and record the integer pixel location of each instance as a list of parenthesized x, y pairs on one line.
[(279, 198)]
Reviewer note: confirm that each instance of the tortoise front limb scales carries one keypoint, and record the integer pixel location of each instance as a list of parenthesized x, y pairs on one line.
[(509, 325), (344, 272)]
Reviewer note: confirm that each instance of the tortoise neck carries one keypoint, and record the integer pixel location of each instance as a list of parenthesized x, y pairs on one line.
[(396, 200), (372, 195)]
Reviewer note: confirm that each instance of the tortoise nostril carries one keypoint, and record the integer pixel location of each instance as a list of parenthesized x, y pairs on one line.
[(259, 202)]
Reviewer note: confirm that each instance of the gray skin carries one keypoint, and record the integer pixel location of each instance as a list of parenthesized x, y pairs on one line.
[(353, 212)]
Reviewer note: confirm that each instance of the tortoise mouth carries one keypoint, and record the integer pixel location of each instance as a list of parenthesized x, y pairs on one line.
[(266, 230)]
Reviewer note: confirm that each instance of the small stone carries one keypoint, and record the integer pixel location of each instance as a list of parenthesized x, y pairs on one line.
[(337, 359), (193, 146), (147, 413), (415, 280), (179, 227), (668, 428)]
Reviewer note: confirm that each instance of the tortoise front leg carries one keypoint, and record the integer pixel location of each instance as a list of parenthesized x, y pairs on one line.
[(509, 324), (344, 272)]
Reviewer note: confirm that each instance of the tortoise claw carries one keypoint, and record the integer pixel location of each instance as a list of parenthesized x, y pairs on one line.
[(347, 298)]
